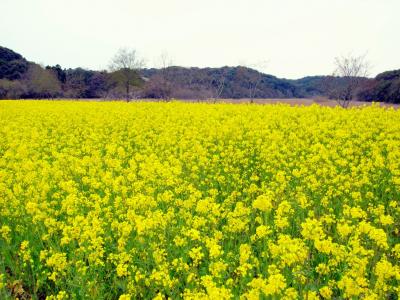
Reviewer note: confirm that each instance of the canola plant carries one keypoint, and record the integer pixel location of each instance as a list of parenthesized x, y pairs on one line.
[(198, 201)]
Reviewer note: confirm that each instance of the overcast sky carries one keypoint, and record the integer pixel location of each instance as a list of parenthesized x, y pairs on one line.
[(296, 37)]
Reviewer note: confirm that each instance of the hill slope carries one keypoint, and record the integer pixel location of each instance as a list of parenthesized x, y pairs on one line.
[(20, 78), (238, 82), (12, 64)]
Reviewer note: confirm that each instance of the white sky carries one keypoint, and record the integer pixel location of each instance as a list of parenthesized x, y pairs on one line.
[(296, 37)]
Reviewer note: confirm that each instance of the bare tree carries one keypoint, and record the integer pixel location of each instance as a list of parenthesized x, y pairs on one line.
[(165, 81), (164, 62), (255, 78), (42, 83), (251, 74), (217, 85), (126, 65), (160, 85), (351, 71)]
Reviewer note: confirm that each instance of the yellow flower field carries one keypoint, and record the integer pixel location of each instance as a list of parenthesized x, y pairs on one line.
[(198, 201)]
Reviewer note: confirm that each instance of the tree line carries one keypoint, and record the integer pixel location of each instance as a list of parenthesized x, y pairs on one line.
[(127, 78)]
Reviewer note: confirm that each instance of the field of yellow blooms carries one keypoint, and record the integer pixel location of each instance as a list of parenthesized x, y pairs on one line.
[(198, 201)]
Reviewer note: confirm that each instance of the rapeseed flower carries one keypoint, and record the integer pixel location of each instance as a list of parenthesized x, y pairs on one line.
[(198, 201)]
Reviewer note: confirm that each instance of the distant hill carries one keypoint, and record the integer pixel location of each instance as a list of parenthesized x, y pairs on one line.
[(310, 86), (239, 82), (385, 87), (12, 64), (20, 78)]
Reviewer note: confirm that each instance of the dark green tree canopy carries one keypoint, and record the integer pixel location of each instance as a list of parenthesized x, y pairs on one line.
[(20, 78), (12, 64)]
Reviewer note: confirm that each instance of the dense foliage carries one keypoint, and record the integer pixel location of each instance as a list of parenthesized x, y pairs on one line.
[(22, 79), (198, 201), (200, 82), (12, 65), (385, 87)]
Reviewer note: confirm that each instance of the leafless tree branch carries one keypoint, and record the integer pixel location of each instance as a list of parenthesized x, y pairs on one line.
[(126, 65), (350, 72)]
